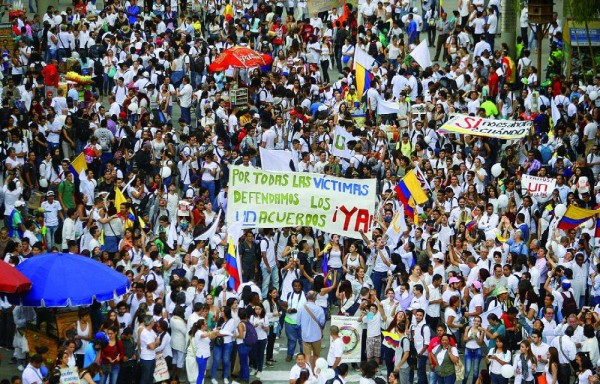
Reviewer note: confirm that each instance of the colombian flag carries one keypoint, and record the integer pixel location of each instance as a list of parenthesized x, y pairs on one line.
[(576, 216), (470, 225), (409, 189), (363, 63), (392, 338), (597, 233), (231, 266), (78, 165)]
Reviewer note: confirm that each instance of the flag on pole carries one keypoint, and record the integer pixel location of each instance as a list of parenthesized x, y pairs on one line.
[(421, 55), (172, 234), (470, 225), (78, 165), (231, 266), (363, 63), (277, 160), (119, 198), (597, 233), (208, 234), (576, 216), (397, 227)]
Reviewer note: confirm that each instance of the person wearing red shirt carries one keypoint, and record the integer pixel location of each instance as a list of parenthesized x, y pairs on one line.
[(112, 355), (50, 73), (509, 318), (493, 81)]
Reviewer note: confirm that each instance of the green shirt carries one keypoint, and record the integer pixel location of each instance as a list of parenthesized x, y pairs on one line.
[(16, 223), (65, 189)]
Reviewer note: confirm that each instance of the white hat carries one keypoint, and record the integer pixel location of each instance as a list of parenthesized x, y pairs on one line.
[(19, 203), (439, 256)]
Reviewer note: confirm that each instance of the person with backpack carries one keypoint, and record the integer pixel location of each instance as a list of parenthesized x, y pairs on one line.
[(246, 338), (564, 297), (311, 320)]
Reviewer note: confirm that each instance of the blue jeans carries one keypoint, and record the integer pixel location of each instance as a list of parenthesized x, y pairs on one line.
[(378, 281), (186, 114), (50, 231), (202, 361), (422, 369), (243, 353), (498, 379), (112, 377), (472, 361), (294, 335), (269, 279), (147, 371), (221, 354), (445, 380), (210, 185), (50, 54)]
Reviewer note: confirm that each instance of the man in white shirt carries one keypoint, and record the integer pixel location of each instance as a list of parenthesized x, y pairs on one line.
[(185, 99), (422, 337), (32, 373), (147, 345), (540, 351), (566, 353), (52, 210)]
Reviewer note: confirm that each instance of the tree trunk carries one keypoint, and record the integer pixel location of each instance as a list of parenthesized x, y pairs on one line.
[(587, 32), (510, 18)]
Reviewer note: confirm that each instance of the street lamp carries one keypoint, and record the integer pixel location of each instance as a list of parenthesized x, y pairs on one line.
[(540, 18)]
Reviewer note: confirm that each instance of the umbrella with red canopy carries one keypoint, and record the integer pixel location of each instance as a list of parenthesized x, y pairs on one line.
[(12, 280), (239, 57)]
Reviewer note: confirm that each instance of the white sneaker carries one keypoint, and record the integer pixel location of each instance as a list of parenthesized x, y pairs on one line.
[(214, 381), (258, 374), (226, 381), (21, 368), (252, 372)]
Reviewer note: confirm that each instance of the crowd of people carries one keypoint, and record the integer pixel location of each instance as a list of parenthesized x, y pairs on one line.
[(480, 273)]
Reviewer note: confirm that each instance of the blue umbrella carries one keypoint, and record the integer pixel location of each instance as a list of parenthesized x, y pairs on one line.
[(63, 280)]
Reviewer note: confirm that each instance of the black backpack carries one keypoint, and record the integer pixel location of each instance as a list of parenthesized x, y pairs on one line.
[(98, 67), (569, 306), (199, 64), (373, 51)]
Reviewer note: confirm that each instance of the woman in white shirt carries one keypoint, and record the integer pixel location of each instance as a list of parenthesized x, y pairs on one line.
[(259, 320), (525, 363), (585, 368), (473, 338), (222, 349), (202, 343), (496, 358)]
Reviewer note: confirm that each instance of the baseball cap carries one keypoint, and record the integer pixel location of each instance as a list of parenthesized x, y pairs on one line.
[(476, 284), (50, 193), (453, 280), (19, 203)]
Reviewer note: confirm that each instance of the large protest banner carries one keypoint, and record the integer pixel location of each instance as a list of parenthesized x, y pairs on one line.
[(477, 126), (351, 333), (539, 187), (264, 199)]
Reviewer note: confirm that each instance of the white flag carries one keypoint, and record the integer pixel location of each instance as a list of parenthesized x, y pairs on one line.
[(386, 107), (555, 112), (277, 160), (363, 59), (341, 137), (235, 231), (172, 234), (212, 230), (421, 55), (397, 226)]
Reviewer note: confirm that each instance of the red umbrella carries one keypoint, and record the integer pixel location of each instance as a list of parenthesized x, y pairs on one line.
[(239, 57), (12, 280)]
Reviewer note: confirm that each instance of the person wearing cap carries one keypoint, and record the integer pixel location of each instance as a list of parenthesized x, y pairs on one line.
[(52, 211), (476, 303), (17, 226)]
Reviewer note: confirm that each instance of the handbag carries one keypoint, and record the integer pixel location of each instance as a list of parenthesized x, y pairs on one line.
[(459, 369), (314, 318), (542, 379), (219, 341), (112, 71)]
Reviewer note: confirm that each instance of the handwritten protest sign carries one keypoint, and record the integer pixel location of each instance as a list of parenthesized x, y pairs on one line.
[(69, 376), (263, 199), (539, 187), (477, 126)]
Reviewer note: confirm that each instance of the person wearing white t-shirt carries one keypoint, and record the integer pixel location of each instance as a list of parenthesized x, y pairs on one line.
[(32, 373), (148, 341), (208, 170), (476, 303), (301, 365), (185, 99), (336, 348)]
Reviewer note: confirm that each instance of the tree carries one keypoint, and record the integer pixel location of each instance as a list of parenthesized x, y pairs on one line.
[(579, 10)]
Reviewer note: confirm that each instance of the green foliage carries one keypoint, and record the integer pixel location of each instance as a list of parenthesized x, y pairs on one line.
[(580, 9)]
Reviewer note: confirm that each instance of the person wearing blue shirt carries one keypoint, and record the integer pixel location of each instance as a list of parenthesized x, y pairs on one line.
[(412, 29), (495, 329), (311, 320)]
